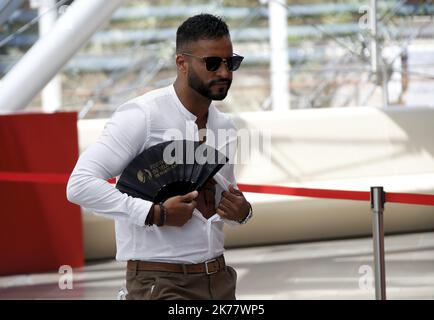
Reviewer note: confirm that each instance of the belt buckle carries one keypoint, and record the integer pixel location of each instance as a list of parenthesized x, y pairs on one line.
[(206, 266)]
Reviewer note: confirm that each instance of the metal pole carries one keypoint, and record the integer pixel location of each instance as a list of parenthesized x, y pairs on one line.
[(377, 206)]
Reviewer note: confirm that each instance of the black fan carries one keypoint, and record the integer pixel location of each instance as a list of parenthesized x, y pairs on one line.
[(169, 169)]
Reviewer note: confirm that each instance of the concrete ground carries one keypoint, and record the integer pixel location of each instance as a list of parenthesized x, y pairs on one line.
[(339, 269)]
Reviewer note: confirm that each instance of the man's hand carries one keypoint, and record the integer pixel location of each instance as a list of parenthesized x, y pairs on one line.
[(179, 209), (233, 205)]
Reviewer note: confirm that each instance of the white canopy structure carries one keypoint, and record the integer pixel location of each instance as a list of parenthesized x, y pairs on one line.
[(52, 52)]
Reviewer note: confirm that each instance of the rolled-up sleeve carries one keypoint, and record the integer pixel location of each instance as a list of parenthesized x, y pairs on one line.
[(123, 138)]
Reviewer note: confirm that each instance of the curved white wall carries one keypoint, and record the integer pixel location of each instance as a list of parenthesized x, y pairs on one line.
[(348, 148)]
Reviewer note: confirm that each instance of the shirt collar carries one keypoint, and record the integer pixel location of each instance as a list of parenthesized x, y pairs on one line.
[(181, 107), (188, 114)]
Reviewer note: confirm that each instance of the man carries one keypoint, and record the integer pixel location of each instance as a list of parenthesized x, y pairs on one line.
[(182, 256)]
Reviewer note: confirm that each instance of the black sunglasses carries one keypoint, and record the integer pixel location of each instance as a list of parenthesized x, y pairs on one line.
[(213, 63)]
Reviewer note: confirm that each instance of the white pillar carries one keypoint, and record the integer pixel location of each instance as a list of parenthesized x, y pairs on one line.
[(375, 54), (37, 67), (52, 93), (374, 44), (279, 65)]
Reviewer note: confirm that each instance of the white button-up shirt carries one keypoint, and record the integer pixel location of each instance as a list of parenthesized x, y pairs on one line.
[(135, 126)]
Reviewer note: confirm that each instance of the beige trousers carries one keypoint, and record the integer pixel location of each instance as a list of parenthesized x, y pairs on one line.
[(155, 285)]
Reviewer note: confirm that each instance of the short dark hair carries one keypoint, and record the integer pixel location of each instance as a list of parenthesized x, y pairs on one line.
[(201, 26)]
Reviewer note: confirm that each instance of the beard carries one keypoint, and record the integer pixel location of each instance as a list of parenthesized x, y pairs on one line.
[(212, 90)]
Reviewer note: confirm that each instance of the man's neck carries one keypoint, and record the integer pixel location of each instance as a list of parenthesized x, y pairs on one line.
[(192, 101)]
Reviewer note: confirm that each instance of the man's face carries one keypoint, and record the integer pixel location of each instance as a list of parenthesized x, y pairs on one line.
[(213, 85)]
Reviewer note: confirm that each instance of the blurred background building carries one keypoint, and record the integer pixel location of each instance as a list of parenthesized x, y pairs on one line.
[(328, 50)]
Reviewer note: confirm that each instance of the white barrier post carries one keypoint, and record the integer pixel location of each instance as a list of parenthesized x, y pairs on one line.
[(377, 206)]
